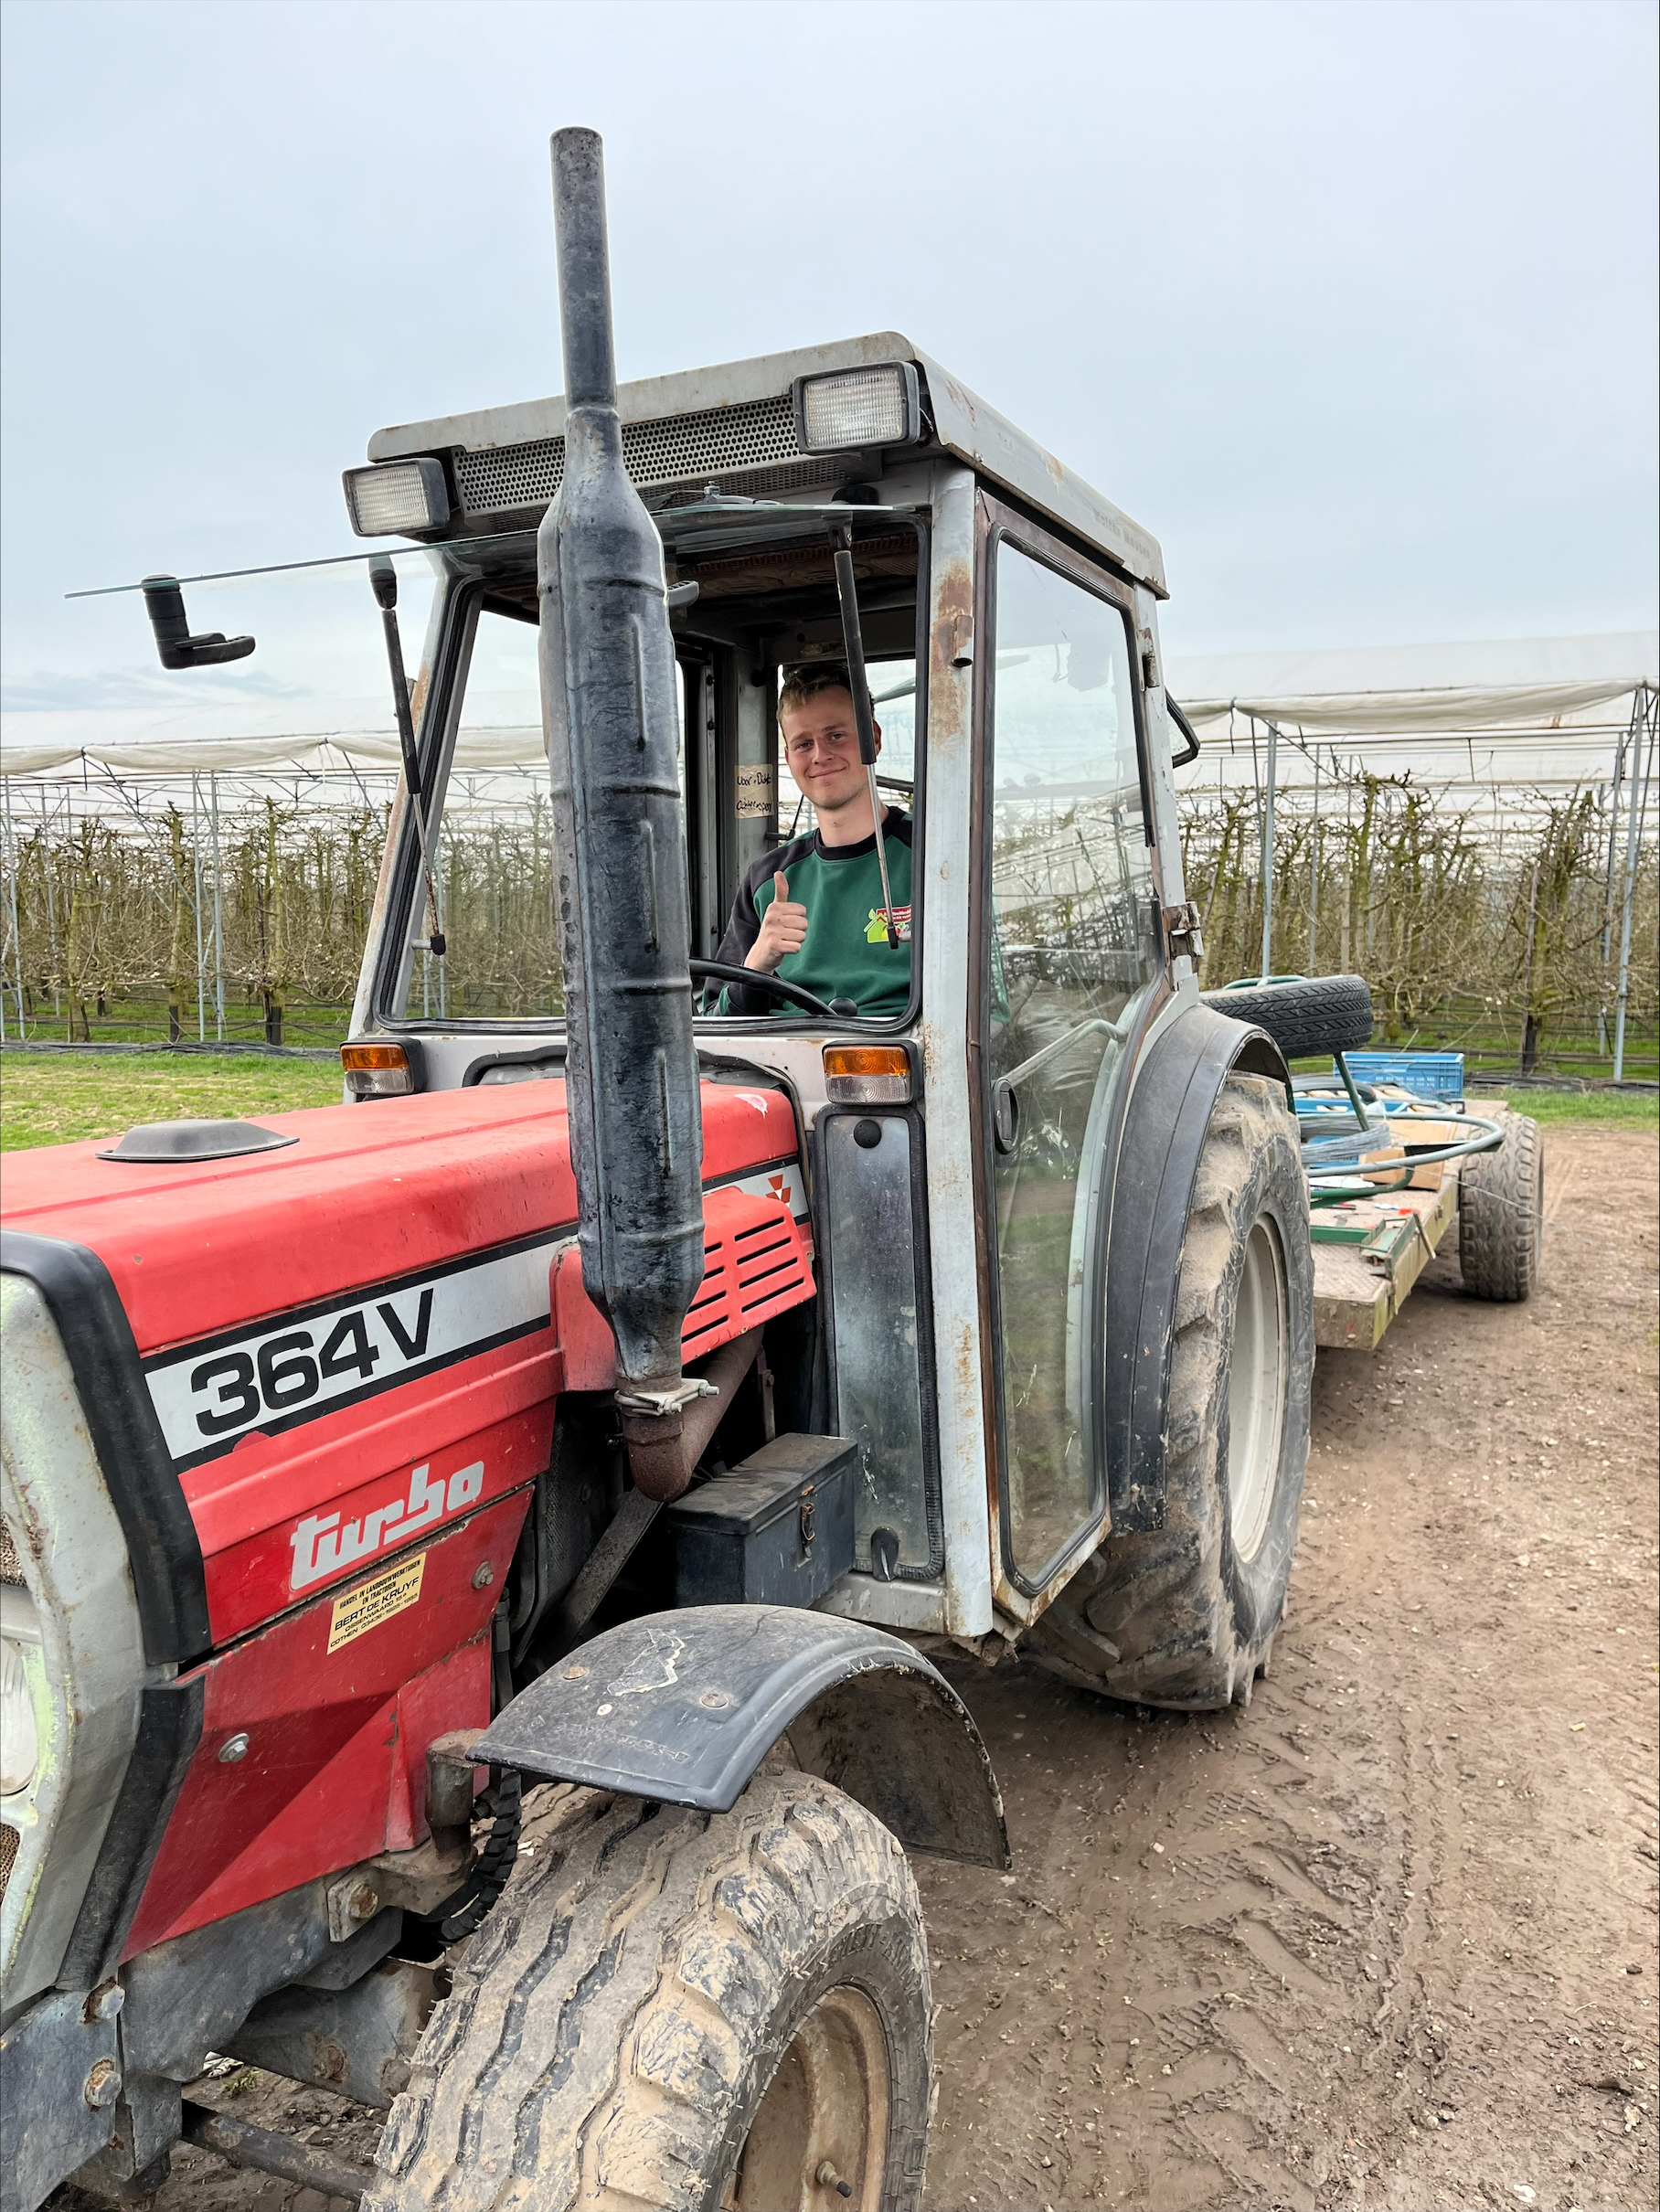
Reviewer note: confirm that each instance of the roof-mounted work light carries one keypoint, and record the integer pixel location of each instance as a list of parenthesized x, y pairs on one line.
[(858, 408), (396, 498)]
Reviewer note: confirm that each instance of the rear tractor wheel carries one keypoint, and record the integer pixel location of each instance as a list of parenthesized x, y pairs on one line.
[(1185, 1615), (686, 2011)]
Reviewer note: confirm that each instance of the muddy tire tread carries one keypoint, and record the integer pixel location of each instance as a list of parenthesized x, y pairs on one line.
[(1163, 1596), (1498, 1216), (599, 2039)]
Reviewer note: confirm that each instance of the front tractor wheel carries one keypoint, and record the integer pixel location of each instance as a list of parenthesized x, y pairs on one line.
[(681, 2011), (1185, 1615)]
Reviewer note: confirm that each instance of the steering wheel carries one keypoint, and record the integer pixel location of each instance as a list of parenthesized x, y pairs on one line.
[(718, 971)]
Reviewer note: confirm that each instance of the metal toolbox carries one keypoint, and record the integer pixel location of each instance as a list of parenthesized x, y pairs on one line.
[(775, 1530)]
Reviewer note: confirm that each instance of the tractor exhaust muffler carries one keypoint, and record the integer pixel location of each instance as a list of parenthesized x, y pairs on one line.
[(609, 718)]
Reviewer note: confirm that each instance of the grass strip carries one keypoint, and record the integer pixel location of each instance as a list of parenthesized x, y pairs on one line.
[(52, 1097)]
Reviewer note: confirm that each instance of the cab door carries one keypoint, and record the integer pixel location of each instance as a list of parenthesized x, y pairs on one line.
[(1070, 968)]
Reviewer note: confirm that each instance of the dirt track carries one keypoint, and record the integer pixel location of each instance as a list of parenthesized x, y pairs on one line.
[(1369, 1941), (1387, 1938)]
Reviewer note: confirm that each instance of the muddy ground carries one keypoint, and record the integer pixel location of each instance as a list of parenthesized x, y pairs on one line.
[(1387, 1938)]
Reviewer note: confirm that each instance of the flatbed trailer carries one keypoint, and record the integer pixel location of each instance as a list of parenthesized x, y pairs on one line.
[(1370, 1250), (1360, 1287)]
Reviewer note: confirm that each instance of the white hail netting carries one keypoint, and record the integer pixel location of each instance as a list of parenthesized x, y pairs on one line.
[(1532, 712)]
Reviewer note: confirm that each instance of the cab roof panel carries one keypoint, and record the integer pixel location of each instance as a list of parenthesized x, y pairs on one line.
[(964, 426)]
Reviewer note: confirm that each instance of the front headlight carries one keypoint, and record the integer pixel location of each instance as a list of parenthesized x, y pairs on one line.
[(19, 1644), (71, 1651)]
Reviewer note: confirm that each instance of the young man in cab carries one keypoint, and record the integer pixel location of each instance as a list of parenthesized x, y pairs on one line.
[(811, 911)]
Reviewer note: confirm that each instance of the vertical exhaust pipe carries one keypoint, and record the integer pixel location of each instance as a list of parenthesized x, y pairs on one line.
[(607, 715)]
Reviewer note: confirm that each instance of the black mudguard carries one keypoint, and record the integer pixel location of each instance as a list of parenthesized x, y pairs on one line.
[(1170, 1112), (684, 1707)]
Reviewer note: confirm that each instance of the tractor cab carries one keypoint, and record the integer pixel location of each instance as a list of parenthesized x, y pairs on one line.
[(1006, 620)]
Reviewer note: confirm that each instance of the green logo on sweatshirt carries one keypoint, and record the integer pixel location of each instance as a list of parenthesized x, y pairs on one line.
[(875, 929)]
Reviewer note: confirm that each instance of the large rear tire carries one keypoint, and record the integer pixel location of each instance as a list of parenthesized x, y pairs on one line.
[(684, 2011), (1185, 1615), (1501, 1215)]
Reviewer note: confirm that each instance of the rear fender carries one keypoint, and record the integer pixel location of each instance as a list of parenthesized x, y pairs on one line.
[(1170, 1112), (684, 1707)]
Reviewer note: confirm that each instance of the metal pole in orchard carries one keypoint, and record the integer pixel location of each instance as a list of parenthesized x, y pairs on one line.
[(1633, 732), (218, 939), (1268, 852), (1314, 873), (11, 878), (196, 867), (1636, 807), (51, 903)]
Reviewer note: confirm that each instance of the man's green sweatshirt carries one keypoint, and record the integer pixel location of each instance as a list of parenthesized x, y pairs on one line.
[(847, 954)]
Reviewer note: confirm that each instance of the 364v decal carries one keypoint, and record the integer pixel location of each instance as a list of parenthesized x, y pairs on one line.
[(297, 1365)]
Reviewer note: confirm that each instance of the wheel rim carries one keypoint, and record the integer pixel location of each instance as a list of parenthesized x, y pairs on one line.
[(825, 2113), (1256, 1389)]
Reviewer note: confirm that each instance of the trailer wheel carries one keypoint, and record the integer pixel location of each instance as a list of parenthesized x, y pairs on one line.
[(713, 2013), (1304, 1015), (1501, 1215), (1185, 1615)]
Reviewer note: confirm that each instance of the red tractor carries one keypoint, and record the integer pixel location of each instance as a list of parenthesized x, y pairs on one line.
[(640, 1394)]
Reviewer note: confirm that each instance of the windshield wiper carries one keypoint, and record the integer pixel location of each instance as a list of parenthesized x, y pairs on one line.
[(383, 579)]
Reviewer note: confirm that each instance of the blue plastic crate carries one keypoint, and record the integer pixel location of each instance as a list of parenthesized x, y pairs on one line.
[(1427, 1075)]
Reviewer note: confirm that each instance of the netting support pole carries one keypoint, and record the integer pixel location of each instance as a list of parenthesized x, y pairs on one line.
[(16, 937), (1631, 734), (51, 903), (1636, 806), (1268, 851), (1314, 873), (219, 939), (195, 869)]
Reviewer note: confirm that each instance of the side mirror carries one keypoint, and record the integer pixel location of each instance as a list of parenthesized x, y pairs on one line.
[(165, 604)]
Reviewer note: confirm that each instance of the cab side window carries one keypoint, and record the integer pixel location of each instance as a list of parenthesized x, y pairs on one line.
[(1071, 950)]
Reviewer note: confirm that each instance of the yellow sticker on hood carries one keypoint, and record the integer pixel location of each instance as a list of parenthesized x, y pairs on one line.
[(372, 1602)]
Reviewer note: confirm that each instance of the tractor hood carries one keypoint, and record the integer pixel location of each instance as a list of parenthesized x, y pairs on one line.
[(326, 1349)]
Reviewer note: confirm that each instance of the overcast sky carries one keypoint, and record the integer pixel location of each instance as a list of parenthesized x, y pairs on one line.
[(1352, 304)]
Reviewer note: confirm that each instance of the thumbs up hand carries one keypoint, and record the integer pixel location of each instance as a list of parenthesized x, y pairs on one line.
[(783, 929)]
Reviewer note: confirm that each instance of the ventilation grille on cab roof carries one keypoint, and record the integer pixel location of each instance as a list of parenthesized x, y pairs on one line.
[(723, 444)]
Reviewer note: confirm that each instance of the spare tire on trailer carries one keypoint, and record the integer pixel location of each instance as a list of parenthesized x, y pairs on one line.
[(683, 2010), (1501, 1215), (1304, 1015), (1184, 1615)]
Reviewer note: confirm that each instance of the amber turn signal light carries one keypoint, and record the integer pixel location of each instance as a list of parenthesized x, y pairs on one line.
[(377, 1071), (867, 1075)]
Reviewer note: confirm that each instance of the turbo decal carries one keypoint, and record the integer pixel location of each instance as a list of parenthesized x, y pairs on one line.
[(322, 1548)]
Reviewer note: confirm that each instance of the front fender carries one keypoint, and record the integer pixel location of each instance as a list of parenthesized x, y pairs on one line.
[(684, 1707)]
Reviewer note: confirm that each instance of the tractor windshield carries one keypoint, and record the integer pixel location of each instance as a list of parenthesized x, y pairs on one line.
[(755, 600)]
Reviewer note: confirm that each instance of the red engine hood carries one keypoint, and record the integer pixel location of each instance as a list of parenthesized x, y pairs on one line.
[(351, 1341), (367, 1192)]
